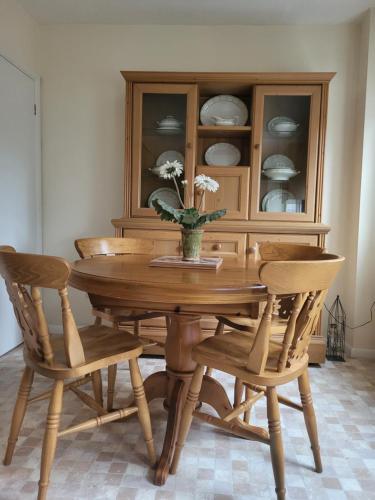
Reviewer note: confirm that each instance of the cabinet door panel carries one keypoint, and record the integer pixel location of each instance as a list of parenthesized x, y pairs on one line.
[(285, 152), (233, 193), (164, 118)]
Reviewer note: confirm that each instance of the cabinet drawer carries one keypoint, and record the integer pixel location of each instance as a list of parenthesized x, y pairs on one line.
[(300, 239), (226, 245), (165, 242)]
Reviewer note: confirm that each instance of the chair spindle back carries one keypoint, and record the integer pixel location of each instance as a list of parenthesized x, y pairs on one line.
[(307, 282), (24, 275), (93, 247)]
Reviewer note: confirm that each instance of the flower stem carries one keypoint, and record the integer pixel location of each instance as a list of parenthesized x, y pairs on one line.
[(178, 192), (202, 198)]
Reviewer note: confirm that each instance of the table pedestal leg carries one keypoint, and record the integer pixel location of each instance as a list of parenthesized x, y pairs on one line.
[(183, 334)]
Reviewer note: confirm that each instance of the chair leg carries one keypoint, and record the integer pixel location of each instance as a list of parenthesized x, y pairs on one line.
[(277, 450), (310, 419), (143, 410), (97, 386), (187, 414), (238, 392), (246, 415), (112, 371), (19, 412), (50, 437), (219, 331)]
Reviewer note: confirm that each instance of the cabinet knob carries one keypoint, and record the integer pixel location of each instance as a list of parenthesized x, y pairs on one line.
[(216, 246), (256, 146), (188, 145)]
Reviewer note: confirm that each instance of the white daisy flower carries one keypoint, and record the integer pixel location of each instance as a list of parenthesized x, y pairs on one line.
[(171, 169), (203, 182)]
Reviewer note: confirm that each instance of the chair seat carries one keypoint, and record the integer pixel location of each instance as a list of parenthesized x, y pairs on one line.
[(230, 353), (103, 346)]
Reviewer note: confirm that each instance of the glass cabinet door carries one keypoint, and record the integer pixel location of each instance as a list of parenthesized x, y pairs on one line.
[(163, 130), (285, 152)]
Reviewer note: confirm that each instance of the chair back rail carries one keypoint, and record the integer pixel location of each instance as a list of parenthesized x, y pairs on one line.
[(307, 282), (92, 247), (24, 275), (271, 251)]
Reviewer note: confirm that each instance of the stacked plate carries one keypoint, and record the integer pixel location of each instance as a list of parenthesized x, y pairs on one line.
[(279, 168), (224, 110)]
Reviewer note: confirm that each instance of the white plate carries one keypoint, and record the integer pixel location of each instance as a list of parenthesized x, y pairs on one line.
[(225, 107), (278, 161), (282, 126), (169, 156), (275, 200), (222, 154), (168, 195), (280, 174)]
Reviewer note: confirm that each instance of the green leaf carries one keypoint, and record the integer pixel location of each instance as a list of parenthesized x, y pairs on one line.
[(210, 217), (167, 212)]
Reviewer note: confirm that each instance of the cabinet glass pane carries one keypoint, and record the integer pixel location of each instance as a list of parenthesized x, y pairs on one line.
[(163, 133), (284, 153)]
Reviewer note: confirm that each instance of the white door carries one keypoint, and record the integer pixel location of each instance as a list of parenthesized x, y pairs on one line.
[(19, 180)]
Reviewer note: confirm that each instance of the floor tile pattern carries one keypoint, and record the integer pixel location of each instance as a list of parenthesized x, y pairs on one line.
[(110, 463)]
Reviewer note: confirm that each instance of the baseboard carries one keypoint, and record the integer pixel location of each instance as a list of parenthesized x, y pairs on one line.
[(359, 352)]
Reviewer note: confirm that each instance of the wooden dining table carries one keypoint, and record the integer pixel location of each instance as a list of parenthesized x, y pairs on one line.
[(184, 295)]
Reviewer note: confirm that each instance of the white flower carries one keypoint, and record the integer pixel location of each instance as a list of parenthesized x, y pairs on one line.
[(204, 183), (171, 169)]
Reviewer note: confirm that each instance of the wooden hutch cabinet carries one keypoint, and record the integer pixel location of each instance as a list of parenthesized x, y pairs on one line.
[(285, 127)]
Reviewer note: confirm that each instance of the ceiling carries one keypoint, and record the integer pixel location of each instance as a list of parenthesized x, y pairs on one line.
[(196, 12)]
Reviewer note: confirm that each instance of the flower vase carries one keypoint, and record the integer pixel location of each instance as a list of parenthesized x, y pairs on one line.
[(191, 244)]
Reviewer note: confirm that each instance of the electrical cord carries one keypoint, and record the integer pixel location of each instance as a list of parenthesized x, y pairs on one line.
[(353, 327)]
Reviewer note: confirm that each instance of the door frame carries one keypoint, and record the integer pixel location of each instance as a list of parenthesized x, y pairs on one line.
[(38, 149)]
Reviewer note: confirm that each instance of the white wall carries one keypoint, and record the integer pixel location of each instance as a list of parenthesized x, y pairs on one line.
[(363, 240), (18, 36), (83, 109)]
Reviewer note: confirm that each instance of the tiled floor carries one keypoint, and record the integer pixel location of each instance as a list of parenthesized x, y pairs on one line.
[(110, 462)]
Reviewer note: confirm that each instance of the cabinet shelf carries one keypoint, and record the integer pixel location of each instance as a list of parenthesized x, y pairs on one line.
[(223, 166), (223, 130)]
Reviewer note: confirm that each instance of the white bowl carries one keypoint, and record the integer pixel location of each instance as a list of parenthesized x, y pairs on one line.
[(280, 174), (286, 127)]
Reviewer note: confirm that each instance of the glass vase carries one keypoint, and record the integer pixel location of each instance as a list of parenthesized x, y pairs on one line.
[(191, 240)]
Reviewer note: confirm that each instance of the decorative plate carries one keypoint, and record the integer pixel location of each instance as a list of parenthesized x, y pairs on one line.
[(278, 161), (225, 107), (282, 126), (222, 154), (275, 200), (168, 195), (169, 156)]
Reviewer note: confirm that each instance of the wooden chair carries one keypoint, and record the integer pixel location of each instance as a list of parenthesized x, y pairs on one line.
[(94, 247), (266, 251), (263, 364), (76, 356)]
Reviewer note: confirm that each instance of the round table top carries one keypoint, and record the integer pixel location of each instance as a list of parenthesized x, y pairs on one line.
[(130, 277)]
